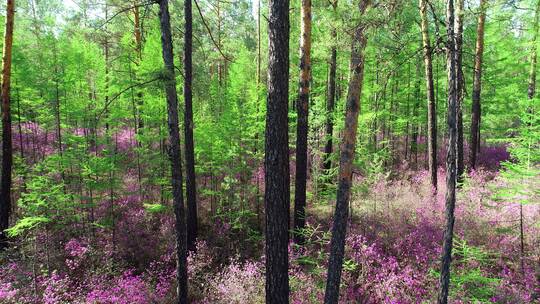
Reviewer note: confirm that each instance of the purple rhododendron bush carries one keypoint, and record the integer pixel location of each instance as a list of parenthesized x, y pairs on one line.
[(392, 251)]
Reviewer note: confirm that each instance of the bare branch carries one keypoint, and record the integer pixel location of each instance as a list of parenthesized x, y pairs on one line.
[(124, 10)]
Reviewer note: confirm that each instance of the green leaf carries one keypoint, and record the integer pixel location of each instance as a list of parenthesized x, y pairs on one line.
[(155, 208), (26, 224)]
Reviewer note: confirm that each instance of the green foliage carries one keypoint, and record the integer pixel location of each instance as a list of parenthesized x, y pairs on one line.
[(45, 201), (468, 254), (156, 208), (26, 224), (520, 175), (468, 278), (312, 254), (349, 265)]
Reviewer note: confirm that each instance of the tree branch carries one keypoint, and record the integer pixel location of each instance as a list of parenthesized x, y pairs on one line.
[(110, 101), (210, 32), (124, 10)]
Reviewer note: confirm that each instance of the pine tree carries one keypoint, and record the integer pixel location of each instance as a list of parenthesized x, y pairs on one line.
[(476, 112), (451, 158), (191, 182), (7, 149), (347, 154), (276, 158), (302, 124), (432, 111), (175, 156)]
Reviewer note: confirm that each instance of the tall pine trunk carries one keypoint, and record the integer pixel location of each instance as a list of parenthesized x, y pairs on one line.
[(451, 159), (476, 112), (7, 151), (302, 123), (348, 147), (458, 31), (258, 79), (432, 113), (174, 151), (276, 158), (330, 100), (191, 185)]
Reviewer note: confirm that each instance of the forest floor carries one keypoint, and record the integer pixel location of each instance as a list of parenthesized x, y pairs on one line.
[(392, 250)]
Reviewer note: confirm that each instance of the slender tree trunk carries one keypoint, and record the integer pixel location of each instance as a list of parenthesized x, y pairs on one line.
[(174, 153), (258, 78), (137, 32), (276, 159), (57, 116), (19, 126), (302, 123), (432, 112), (258, 48), (191, 183), (376, 106), (330, 100), (112, 153), (7, 151), (391, 119), (219, 61), (416, 108), (451, 160), (136, 131), (531, 94), (407, 111), (348, 147), (531, 90), (458, 30), (476, 112)]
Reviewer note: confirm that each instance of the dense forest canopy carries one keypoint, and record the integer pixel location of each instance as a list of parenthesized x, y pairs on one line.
[(250, 151)]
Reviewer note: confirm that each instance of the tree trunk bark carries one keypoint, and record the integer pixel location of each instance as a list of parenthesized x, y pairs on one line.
[(7, 151), (276, 159), (137, 32), (330, 101), (19, 125), (407, 111), (458, 30), (531, 90), (416, 108), (476, 112), (57, 115), (348, 147), (302, 123), (256, 150), (191, 185), (174, 153), (432, 112), (451, 160)]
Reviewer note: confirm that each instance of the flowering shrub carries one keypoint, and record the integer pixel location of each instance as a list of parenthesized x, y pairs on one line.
[(392, 251), (376, 277), (7, 293), (238, 283), (76, 252), (128, 288), (58, 289)]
